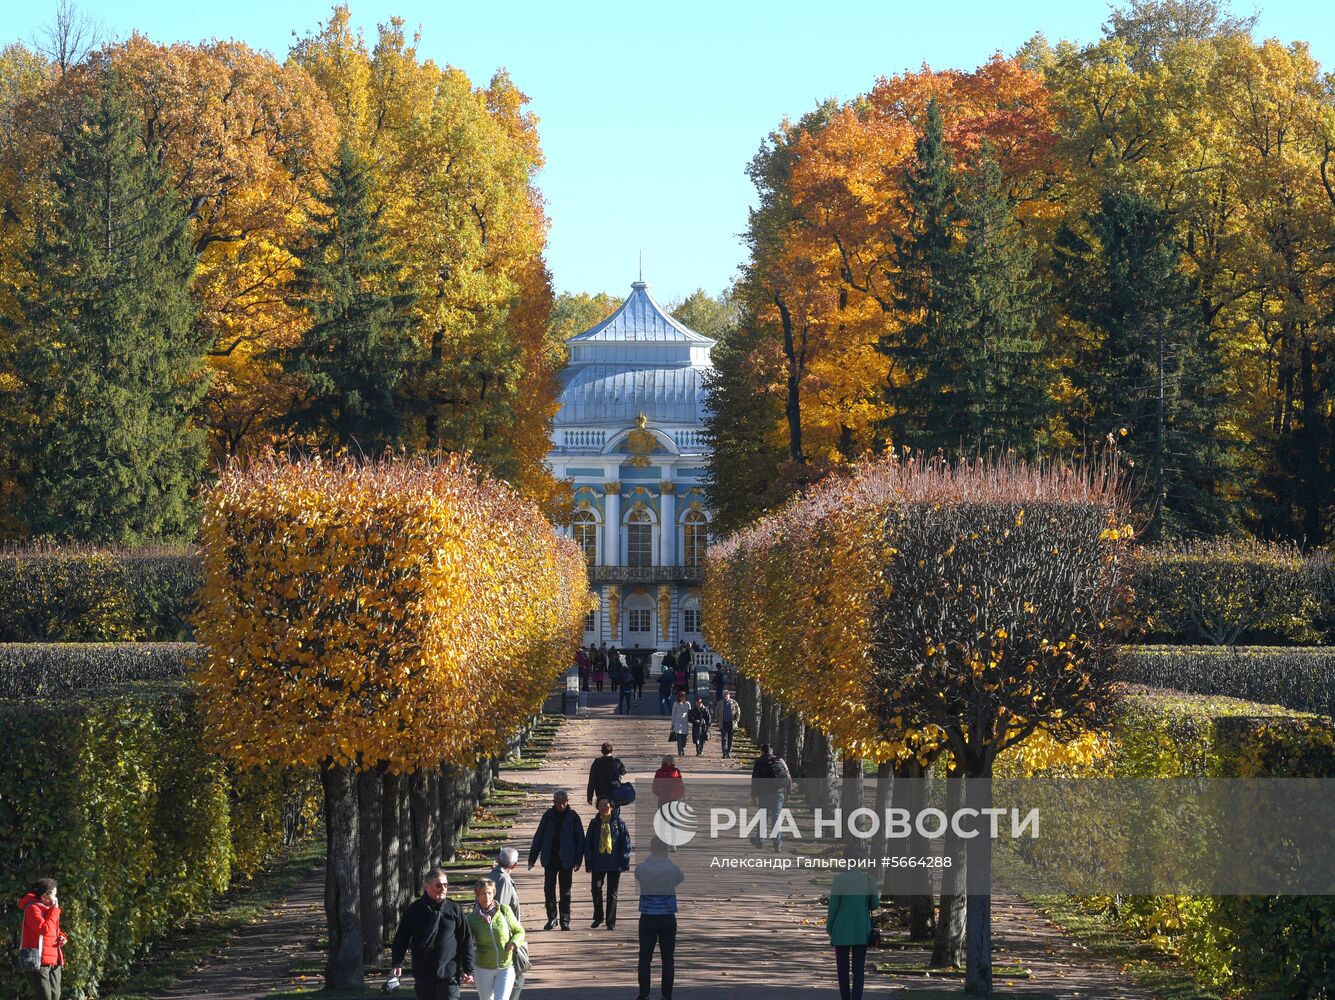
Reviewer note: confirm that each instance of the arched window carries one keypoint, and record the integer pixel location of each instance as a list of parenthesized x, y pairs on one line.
[(694, 538), (639, 539), (585, 528)]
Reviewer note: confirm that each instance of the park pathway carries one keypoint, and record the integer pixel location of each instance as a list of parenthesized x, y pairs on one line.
[(729, 948), (740, 948)]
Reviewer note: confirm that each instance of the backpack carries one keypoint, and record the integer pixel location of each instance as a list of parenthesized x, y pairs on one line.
[(764, 769)]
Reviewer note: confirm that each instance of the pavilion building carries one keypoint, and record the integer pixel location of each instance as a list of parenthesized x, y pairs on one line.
[(630, 436)]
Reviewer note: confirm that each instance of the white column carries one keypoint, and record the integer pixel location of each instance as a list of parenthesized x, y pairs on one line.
[(612, 524), (667, 534)]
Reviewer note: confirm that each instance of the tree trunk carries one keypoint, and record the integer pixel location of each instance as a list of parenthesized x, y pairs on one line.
[(391, 845), (917, 886), (978, 970), (423, 822), (343, 967), (851, 799), (372, 874), (410, 881), (456, 809), (434, 839), (792, 743), (885, 796), (948, 951)]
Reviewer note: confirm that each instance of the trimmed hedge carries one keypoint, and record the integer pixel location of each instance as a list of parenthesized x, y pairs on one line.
[(97, 595), (60, 669), (1229, 591), (115, 795), (1298, 677), (1256, 946)]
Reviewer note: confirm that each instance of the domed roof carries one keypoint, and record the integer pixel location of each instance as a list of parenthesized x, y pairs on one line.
[(617, 394), (640, 318)]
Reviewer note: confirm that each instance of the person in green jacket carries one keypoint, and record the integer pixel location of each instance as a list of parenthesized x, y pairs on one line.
[(496, 933), (848, 922)]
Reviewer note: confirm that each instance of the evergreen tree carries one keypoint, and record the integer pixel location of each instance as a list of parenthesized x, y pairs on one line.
[(925, 283), (109, 357), (970, 374), (358, 349), (1151, 373), (999, 378)]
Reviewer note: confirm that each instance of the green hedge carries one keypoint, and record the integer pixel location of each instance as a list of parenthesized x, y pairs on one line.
[(1231, 591), (114, 795), (1297, 677), (1255, 946), (95, 595), (60, 669)]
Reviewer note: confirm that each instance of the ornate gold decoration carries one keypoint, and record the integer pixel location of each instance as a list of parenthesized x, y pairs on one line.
[(638, 505), (583, 505), (641, 443), (612, 487), (614, 612), (664, 611), (666, 487)]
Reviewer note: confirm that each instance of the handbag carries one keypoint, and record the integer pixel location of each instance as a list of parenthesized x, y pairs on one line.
[(520, 957), (874, 938), (672, 737), (30, 959)]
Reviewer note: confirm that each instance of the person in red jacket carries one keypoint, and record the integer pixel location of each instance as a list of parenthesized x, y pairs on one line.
[(668, 786), (42, 940)]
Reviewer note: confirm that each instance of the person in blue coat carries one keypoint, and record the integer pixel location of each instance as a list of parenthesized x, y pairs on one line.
[(559, 844), (606, 854)]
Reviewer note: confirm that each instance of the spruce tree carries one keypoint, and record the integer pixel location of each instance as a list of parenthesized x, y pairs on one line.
[(109, 356), (1152, 375), (351, 360), (969, 372), (924, 259)]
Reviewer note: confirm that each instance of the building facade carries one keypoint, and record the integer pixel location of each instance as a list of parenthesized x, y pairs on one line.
[(630, 436)]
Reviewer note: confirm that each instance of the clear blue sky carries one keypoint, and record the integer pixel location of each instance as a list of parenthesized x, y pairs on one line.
[(650, 112)]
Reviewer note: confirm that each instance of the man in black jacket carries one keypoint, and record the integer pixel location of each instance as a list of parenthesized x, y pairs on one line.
[(558, 843), (603, 773), (435, 931)]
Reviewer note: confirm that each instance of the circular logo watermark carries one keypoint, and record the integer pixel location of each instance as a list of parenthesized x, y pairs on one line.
[(675, 823)]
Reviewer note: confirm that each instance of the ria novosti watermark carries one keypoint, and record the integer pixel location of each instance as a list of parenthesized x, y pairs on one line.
[(1210, 836)]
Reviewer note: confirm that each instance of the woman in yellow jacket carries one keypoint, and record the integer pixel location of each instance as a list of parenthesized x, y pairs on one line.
[(496, 934)]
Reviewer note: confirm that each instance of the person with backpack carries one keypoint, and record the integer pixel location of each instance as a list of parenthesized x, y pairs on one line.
[(41, 944), (497, 933), (771, 782), (607, 850), (624, 698), (604, 773)]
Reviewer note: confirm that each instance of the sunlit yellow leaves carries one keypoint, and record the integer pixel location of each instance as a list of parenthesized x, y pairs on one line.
[(406, 612)]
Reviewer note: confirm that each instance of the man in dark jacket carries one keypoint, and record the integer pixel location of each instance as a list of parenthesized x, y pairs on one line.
[(603, 775), (606, 855), (771, 783), (700, 720), (726, 717), (559, 844), (435, 931)]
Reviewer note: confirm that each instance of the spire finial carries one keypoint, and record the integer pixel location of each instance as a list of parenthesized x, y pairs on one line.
[(641, 264)]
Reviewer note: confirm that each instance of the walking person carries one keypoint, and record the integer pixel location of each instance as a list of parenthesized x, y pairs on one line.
[(41, 944), (607, 851), (726, 717), (681, 677), (720, 682), (558, 843), (616, 670), (599, 668), (638, 670), (496, 933), (507, 894), (658, 877), (582, 660), (665, 680), (681, 721), (627, 692), (771, 782), (848, 922), (604, 773), (435, 931), (668, 784), (700, 720)]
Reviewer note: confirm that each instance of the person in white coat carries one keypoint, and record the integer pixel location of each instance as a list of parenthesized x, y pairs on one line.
[(681, 721)]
